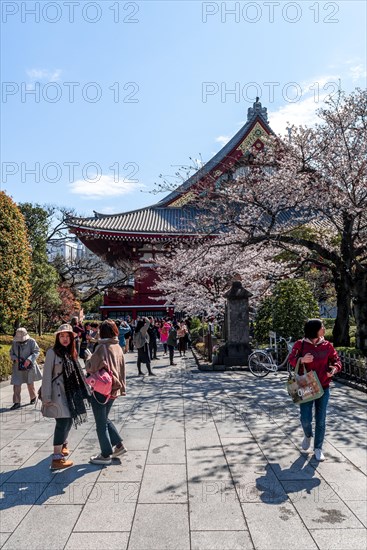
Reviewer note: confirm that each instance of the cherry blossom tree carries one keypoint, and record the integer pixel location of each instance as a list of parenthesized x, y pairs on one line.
[(195, 277), (303, 201), (308, 199)]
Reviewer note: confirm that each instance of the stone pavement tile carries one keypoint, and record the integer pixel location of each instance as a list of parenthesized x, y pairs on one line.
[(347, 481), (166, 451), (332, 454), (38, 528), (356, 455), (214, 506), (129, 468), (242, 450), (76, 437), (9, 435), (197, 437), (3, 538), (35, 470), (221, 540), (232, 428), (16, 501), (91, 541), (110, 507), (38, 430), (136, 440), (71, 486), (6, 472), (345, 539), (18, 452), (160, 527), (163, 483), (277, 527), (139, 422), (291, 465), (257, 483), (169, 429), (207, 462), (359, 509), (319, 505)]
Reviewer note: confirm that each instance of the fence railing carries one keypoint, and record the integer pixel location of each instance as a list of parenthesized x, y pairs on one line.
[(354, 367)]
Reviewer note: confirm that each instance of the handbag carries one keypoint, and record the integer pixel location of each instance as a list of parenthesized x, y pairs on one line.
[(101, 382), (305, 387), (21, 362)]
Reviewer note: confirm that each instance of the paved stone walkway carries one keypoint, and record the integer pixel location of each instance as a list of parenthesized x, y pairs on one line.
[(214, 463)]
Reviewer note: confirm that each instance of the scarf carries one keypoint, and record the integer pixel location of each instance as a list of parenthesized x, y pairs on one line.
[(76, 390)]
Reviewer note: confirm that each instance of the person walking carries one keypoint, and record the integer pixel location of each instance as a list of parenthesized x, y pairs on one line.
[(182, 335), (141, 342), (23, 353), (78, 330), (108, 355), (319, 355), (164, 331), (153, 336), (172, 343), (123, 330), (65, 393)]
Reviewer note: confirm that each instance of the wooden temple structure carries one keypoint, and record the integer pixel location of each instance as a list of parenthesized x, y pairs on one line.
[(140, 235)]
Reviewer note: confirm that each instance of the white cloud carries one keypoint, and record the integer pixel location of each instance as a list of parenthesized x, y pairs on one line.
[(43, 74), (358, 72), (106, 186), (223, 140), (107, 210), (303, 112)]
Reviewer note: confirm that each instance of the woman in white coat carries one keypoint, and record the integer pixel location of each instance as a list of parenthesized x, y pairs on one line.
[(65, 393), (24, 352)]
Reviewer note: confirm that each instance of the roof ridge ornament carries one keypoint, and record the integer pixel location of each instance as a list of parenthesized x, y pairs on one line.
[(256, 110)]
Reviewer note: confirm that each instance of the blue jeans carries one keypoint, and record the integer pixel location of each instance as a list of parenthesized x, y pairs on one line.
[(320, 418), (62, 429), (107, 433)]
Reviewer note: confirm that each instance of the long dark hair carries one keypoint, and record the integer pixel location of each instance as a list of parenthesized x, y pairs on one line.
[(59, 349)]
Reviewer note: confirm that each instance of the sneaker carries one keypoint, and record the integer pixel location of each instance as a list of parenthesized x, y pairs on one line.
[(15, 406), (32, 401), (118, 451), (60, 464), (100, 459), (65, 451), (173, 364), (151, 374), (306, 443), (319, 455)]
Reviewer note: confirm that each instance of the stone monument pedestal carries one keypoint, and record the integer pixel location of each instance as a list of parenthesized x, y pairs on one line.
[(236, 350)]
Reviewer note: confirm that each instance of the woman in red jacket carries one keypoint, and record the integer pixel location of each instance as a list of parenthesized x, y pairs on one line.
[(319, 355)]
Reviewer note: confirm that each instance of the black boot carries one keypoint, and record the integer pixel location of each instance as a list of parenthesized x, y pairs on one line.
[(150, 371)]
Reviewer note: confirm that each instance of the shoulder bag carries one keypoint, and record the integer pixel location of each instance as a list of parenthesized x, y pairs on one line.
[(101, 382)]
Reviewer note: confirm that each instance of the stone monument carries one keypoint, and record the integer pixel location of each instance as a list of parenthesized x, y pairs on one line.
[(236, 350)]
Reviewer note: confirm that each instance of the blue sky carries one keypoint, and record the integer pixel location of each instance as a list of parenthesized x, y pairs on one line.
[(125, 91)]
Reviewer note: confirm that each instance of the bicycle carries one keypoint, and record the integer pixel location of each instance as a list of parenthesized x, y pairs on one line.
[(261, 361)]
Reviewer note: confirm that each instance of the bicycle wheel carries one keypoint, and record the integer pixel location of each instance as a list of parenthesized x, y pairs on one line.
[(259, 363)]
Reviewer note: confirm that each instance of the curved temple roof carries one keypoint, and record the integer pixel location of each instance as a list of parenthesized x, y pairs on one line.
[(173, 215)]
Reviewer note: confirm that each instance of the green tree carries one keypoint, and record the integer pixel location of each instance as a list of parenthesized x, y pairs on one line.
[(286, 311), (15, 258), (44, 277)]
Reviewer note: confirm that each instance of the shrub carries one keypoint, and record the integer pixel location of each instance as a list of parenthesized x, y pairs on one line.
[(200, 347), (5, 362), (286, 311)]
